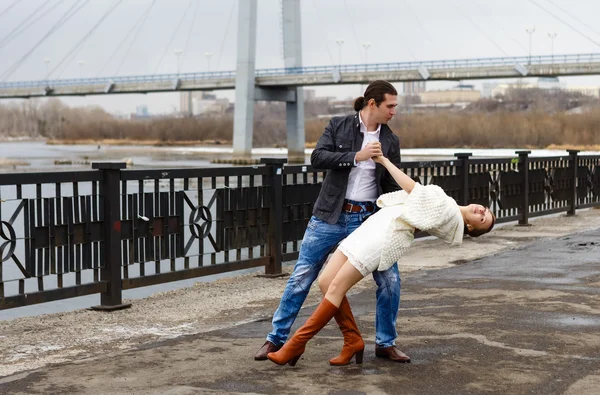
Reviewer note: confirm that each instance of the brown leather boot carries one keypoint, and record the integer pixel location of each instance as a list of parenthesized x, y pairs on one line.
[(261, 355), (293, 349), (353, 342)]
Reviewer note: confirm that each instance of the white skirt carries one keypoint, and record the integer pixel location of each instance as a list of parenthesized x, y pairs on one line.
[(363, 246)]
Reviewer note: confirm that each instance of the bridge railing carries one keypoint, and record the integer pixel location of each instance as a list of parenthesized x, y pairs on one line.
[(351, 68), (67, 234)]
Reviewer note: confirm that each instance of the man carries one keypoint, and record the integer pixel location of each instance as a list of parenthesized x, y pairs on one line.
[(352, 185)]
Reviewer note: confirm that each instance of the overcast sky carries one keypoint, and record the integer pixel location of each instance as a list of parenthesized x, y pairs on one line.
[(142, 36)]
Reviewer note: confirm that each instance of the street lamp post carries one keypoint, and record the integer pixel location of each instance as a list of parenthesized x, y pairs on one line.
[(47, 61), (366, 46), (178, 53), (208, 56), (530, 32), (81, 63), (552, 37), (339, 42)]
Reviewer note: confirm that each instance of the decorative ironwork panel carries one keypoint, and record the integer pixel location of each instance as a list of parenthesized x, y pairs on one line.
[(51, 239), (242, 217), (151, 228), (11, 237), (511, 188), (61, 235), (583, 181), (452, 185), (538, 186), (479, 188), (596, 181), (561, 182), (61, 239), (298, 201)]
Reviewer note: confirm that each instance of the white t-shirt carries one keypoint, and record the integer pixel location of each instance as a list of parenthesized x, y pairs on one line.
[(362, 185)]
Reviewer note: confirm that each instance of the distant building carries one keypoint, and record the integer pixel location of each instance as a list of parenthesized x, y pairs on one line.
[(201, 102), (592, 91), (451, 96), (414, 87), (310, 94), (206, 107), (549, 83), (487, 88), (141, 111)]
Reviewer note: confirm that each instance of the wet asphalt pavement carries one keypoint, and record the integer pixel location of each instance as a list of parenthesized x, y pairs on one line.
[(524, 321)]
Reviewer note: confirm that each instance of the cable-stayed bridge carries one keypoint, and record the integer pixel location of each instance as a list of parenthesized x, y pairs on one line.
[(459, 69), (90, 28)]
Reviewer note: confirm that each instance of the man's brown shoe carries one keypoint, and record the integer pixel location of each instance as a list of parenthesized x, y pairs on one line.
[(392, 353), (261, 355)]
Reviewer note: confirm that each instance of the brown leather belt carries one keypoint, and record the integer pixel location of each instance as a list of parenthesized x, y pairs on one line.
[(357, 208)]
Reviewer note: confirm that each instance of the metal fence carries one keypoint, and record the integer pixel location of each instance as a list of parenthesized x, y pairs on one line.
[(68, 234)]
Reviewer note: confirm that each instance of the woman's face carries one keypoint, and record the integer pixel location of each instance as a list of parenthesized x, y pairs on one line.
[(478, 217)]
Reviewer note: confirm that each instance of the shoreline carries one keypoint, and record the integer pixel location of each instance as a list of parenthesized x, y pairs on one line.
[(229, 144), (33, 342)]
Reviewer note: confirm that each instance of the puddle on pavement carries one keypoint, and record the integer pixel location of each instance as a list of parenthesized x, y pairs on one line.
[(576, 321), (355, 371)]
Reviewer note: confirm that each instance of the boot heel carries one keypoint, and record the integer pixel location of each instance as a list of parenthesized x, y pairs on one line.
[(359, 357), (292, 362)]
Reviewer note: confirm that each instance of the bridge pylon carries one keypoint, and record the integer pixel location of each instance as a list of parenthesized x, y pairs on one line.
[(246, 91)]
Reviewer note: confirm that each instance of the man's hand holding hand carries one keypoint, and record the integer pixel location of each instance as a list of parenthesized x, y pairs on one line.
[(371, 149)]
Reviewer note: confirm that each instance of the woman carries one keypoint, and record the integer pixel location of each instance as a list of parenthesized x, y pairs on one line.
[(376, 245)]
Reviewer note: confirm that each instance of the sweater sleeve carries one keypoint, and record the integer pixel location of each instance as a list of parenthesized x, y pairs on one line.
[(391, 198)]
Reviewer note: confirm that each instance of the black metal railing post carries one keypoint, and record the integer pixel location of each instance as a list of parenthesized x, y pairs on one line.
[(464, 174), (524, 170), (573, 163), (275, 183), (111, 270)]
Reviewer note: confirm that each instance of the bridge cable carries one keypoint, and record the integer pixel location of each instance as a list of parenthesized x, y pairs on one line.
[(19, 28), (480, 29), (222, 46), (565, 23), (63, 19), (353, 29), (415, 15), (321, 24), (135, 36), (187, 41), (77, 48), (185, 13), (412, 55), (112, 56), (8, 8), (503, 30), (574, 17)]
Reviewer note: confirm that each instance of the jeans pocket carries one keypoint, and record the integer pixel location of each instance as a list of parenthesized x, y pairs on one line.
[(313, 223)]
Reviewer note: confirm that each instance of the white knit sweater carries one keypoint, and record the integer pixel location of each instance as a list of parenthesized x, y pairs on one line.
[(427, 208)]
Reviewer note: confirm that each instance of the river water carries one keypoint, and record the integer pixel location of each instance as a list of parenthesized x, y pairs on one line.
[(29, 156)]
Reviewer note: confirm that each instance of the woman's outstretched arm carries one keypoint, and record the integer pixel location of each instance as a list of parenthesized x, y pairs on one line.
[(401, 178)]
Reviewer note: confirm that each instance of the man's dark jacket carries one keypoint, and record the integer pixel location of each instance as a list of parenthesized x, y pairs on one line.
[(335, 152)]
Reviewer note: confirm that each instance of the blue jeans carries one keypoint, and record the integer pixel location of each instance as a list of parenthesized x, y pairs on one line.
[(319, 240)]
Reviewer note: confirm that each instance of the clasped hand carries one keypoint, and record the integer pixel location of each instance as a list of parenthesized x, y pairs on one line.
[(371, 151)]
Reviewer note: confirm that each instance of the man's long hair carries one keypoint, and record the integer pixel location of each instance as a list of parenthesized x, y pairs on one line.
[(376, 91)]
